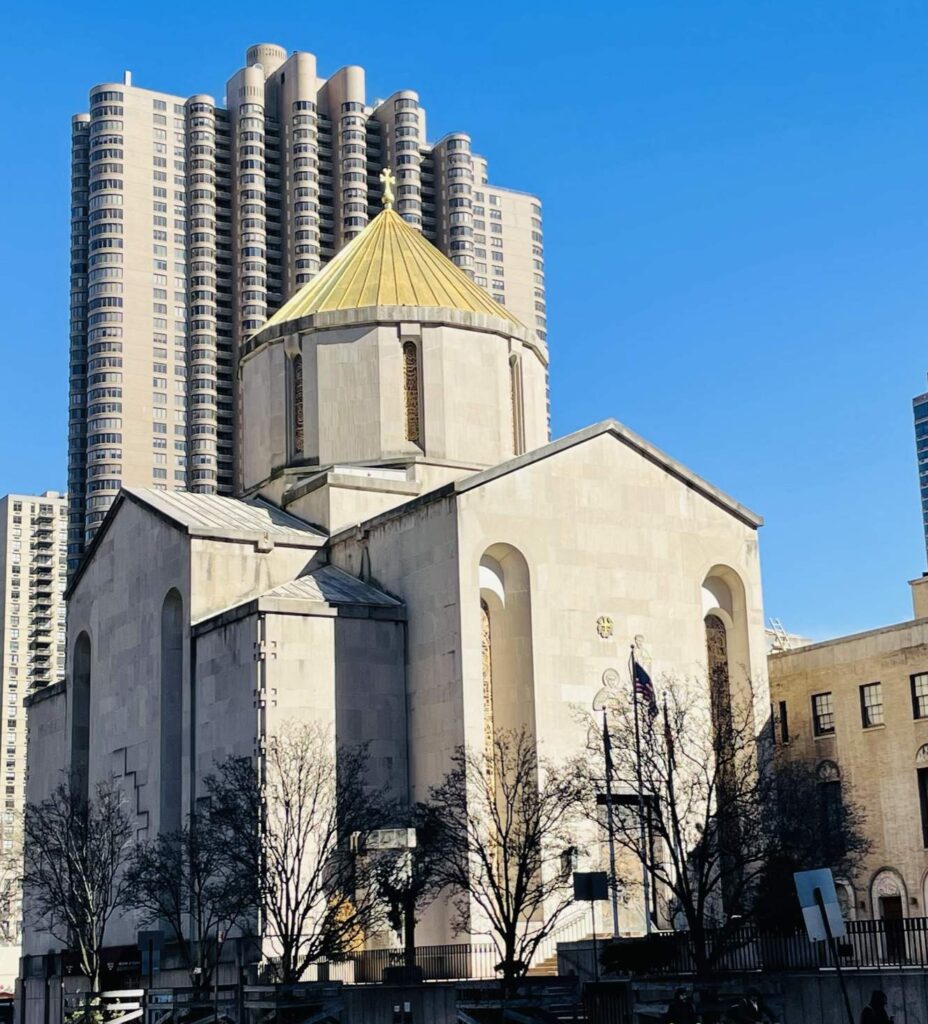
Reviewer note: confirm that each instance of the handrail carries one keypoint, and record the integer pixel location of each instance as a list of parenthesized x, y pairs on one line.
[(565, 931)]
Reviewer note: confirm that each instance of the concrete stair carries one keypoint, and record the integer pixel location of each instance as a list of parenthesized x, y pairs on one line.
[(545, 969), (548, 968)]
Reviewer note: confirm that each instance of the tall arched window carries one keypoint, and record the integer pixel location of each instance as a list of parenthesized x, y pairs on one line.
[(725, 751), (486, 651), (506, 624), (719, 684), (297, 404), (517, 402), (172, 676), (80, 717), (411, 397)]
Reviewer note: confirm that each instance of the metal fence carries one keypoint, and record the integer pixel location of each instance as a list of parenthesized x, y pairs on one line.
[(901, 943), (438, 963)]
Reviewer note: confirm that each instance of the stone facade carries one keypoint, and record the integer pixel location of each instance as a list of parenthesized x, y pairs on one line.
[(876, 745), (417, 593)]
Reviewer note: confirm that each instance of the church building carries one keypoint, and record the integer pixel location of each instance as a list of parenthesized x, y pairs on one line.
[(410, 560)]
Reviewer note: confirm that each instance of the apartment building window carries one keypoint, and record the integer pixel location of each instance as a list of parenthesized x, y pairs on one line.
[(919, 684), (871, 705), (823, 714), (923, 802)]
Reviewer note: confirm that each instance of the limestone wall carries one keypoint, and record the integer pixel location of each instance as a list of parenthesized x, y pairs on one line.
[(414, 557), (592, 530), (605, 532), (877, 765), (118, 603)]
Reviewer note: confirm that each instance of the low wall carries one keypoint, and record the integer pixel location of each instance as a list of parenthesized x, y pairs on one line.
[(817, 997), (434, 1003), (794, 998)]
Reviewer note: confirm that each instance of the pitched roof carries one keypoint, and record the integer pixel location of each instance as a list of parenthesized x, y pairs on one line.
[(211, 515), (332, 585), (326, 585), (612, 427), (389, 264)]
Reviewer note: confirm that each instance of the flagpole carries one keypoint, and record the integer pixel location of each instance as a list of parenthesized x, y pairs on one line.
[(643, 834), (615, 881)]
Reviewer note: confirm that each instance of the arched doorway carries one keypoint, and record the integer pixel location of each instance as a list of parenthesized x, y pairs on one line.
[(888, 899)]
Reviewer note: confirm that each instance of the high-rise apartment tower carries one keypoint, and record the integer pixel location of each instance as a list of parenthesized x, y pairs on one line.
[(33, 556), (920, 414), (192, 222)]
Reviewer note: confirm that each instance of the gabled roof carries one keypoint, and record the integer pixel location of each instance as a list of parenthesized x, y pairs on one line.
[(628, 437), (332, 585), (251, 520), (389, 264), (212, 515)]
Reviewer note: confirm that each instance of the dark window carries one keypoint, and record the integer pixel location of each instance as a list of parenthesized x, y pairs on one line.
[(923, 802), (784, 723), (831, 817), (871, 704), (823, 714), (920, 695)]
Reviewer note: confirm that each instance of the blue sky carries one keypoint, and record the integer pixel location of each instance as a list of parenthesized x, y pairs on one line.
[(735, 221)]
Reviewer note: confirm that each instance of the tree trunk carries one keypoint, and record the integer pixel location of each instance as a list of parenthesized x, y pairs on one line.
[(700, 951), (409, 930), (510, 970)]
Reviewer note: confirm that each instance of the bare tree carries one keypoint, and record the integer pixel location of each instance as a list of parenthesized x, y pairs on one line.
[(507, 823), (293, 824), (76, 851), (716, 817), (812, 823), (188, 880)]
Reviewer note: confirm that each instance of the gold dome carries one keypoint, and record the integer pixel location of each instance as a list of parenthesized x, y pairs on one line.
[(389, 264)]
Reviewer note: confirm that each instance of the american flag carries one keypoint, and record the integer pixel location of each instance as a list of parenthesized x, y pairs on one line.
[(644, 689)]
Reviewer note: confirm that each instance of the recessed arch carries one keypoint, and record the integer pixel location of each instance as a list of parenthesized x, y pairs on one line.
[(171, 710), (517, 403), (723, 597), (716, 596), (887, 884), (889, 903), (81, 661), (828, 771), (506, 625), (847, 899)]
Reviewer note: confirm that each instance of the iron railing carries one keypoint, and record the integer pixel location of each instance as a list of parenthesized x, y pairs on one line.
[(901, 943), (438, 963)]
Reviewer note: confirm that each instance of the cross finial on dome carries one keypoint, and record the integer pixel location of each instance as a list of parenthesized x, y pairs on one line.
[(388, 179)]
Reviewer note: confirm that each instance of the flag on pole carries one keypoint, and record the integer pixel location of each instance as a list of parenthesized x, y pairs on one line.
[(668, 738), (644, 689), (607, 747)]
